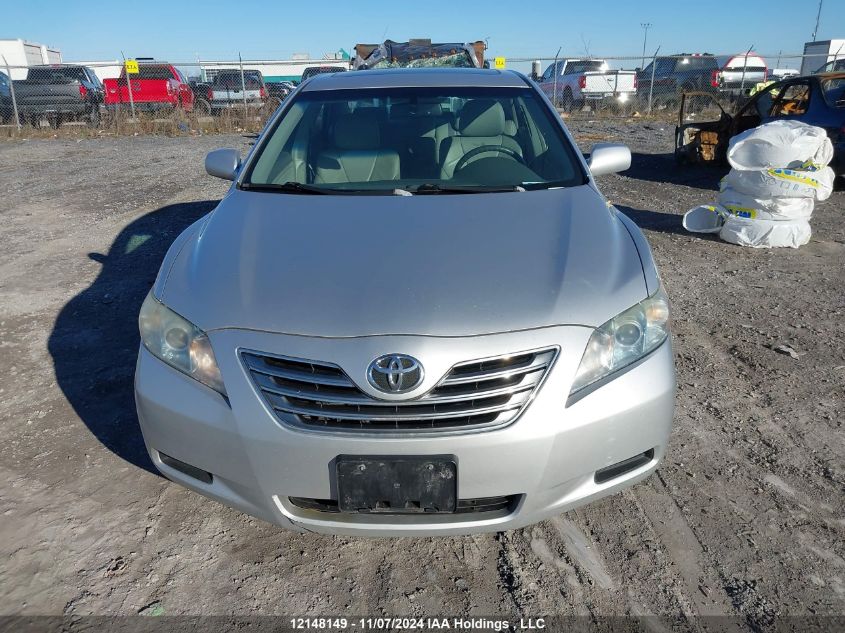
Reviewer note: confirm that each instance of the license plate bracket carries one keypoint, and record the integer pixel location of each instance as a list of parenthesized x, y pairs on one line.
[(397, 485)]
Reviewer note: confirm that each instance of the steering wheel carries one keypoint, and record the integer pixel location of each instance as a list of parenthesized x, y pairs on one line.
[(499, 149)]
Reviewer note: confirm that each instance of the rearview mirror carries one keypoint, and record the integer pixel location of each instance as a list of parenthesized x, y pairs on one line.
[(609, 158), (223, 163)]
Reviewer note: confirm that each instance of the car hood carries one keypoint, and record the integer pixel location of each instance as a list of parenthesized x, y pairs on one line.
[(439, 265)]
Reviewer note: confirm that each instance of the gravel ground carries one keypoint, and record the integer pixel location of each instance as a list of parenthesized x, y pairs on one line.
[(745, 518)]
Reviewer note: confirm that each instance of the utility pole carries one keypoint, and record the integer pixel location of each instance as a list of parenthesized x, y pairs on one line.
[(646, 26), (818, 17)]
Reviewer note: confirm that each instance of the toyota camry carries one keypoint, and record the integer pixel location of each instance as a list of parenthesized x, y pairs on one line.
[(413, 313)]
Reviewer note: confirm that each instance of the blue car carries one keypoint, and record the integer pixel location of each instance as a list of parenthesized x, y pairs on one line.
[(6, 109)]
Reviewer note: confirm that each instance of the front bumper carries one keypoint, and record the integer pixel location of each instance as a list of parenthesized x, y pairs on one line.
[(621, 97), (548, 457)]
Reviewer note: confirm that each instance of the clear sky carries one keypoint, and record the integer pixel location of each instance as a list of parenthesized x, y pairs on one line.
[(182, 31)]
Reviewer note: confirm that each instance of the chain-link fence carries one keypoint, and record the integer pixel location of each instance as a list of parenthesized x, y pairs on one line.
[(654, 86), (239, 95), (212, 96)]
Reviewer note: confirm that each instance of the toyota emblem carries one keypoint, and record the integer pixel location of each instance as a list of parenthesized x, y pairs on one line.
[(395, 373)]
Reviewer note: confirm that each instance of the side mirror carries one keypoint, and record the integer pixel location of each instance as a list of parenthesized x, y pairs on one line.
[(609, 158), (223, 163)]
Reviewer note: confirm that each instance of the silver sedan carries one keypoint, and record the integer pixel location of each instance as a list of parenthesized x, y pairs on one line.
[(413, 313)]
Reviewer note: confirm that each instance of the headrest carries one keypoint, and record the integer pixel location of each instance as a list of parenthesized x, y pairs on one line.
[(356, 131), (481, 117)]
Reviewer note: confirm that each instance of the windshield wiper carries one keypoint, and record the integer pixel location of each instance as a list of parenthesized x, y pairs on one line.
[(302, 188), (434, 188), (288, 187)]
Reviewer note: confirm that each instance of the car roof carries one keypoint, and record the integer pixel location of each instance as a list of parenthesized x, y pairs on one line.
[(416, 78)]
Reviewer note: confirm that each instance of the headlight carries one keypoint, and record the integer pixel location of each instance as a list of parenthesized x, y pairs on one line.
[(179, 343), (624, 339)]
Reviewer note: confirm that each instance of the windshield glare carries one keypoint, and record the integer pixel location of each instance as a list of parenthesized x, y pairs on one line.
[(416, 138)]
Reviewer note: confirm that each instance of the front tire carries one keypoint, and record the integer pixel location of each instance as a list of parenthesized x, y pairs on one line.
[(568, 102), (93, 117)]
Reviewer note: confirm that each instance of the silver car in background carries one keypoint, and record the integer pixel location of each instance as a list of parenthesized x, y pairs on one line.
[(413, 313)]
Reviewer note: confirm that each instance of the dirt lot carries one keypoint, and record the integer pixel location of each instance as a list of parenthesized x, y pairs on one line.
[(746, 517)]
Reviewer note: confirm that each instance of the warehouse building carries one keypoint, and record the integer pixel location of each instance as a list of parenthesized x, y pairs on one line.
[(19, 54)]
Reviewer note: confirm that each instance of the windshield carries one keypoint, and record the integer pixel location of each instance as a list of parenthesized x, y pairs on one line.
[(415, 140)]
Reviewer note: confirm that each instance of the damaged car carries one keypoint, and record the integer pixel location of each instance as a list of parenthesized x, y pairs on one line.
[(705, 128)]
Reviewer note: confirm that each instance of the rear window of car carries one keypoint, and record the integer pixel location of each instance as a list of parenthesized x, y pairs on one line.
[(154, 72), (55, 75), (315, 70), (232, 80), (581, 67), (696, 63), (836, 64), (834, 91)]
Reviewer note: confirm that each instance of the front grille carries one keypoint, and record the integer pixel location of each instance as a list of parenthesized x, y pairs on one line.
[(476, 394), (505, 504)]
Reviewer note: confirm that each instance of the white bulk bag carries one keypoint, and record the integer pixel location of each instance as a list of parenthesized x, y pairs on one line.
[(788, 183), (765, 233), (753, 208), (790, 144), (706, 218)]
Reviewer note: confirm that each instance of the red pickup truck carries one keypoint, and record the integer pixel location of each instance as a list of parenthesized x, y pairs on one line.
[(155, 87)]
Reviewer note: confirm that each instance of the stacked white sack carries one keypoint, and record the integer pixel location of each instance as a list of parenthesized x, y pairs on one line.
[(782, 183), (780, 144), (778, 172)]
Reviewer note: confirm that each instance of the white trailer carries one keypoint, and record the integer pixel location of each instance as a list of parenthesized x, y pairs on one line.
[(817, 54), (20, 54)]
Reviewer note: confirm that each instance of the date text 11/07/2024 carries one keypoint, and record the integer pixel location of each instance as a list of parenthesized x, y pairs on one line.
[(420, 624)]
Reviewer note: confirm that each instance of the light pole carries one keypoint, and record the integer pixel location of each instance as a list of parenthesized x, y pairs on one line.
[(818, 17), (646, 26)]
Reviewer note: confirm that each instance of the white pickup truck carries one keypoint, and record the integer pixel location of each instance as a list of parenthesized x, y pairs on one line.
[(573, 83)]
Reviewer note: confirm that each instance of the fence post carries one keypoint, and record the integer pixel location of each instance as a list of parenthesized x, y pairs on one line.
[(128, 87), (12, 91), (243, 88), (556, 71), (651, 84), (744, 67)]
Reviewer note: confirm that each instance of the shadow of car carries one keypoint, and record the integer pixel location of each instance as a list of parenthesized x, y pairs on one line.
[(94, 341)]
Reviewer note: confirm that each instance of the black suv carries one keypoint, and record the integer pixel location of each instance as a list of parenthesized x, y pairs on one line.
[(676, 75)]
